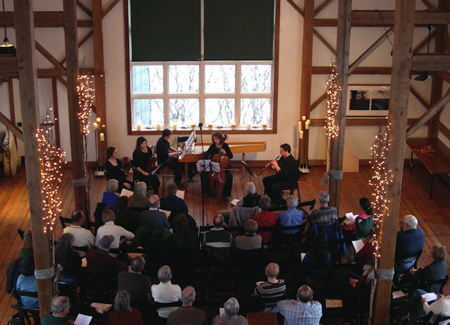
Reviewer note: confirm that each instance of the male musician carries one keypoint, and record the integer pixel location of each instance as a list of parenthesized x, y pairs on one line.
[(168, 156), (285, 177)]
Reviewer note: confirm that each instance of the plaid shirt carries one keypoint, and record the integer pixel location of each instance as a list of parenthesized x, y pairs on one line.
[(296, 312), (323, 216)]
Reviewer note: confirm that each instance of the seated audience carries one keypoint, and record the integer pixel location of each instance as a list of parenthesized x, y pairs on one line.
[(230, 316), (109, 228), (292, 216), (251, 199), (137, 285), (139, 199), (165, 291), (59, 310), (250, 240), (125, 217), (409, 242), (27, 282), (172, 202), (316, 261), (69, 259), (217, 242), (83, 237), (265, 218), (187, 314), (363, 223), (304, 310), (99, 260), (27, 245), (110, 195), (325, 214), (114, 169), (438, 308), (123, 314), (153, 218), (272, 291)]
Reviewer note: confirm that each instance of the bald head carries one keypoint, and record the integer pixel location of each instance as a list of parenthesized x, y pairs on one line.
[(188, 296), (304, 293), (154, 201)]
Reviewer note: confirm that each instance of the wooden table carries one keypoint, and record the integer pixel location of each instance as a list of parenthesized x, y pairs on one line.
[(262, 319), (435, 164)]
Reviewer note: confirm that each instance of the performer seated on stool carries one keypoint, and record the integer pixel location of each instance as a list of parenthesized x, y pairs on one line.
[(141, 160), (214, 149), (168, 156), (285, 177)]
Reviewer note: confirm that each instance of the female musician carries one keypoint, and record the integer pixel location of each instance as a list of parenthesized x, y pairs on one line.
[(214, 149), (114, 169), (141, 159)]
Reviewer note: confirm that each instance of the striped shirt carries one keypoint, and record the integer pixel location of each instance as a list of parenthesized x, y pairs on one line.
[(270, 293)]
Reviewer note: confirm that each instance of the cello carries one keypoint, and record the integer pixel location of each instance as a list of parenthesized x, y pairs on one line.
[(217, 180)]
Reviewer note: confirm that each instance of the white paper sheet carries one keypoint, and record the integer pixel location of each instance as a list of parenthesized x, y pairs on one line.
[(126, 192), (333, 303), (83, 319), (358, 244), (180, 194)]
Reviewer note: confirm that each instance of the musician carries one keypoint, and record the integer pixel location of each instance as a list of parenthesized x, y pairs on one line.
[(285, 177), (217, 146), (114, 169), (168, 156), (142, 156)]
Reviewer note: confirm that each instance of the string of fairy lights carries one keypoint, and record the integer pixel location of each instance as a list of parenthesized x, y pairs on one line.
[(85, 91), (333, 104), (52, 160), (381, 178)]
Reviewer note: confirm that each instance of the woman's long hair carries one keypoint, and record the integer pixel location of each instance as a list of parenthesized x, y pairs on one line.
[(365, 205), (109, 152), (64, 247), (122, 302), (138, 144), (180, 227)]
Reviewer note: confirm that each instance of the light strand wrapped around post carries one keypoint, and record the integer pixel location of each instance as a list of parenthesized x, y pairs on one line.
[(333, 105)]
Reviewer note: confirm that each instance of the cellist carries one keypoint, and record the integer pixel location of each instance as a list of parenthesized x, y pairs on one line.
[(218, 146)]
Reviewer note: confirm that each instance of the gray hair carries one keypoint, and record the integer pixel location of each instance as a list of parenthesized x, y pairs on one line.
[(231, 307), (292, 202), (218, 221), (59, 304), (137, 264), (112, 185), (411, 221), (188, 296), (250, 188), (324, 197), (164, 274), (140, 189), (305, 293), (154, 201), (264, 203), (122, 302)]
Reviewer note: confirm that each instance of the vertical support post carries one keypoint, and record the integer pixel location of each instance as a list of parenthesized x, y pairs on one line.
[(305, 100), (56, 112), (342, 61), (24, 26), (99, 77), (398, 115), (76, 137)]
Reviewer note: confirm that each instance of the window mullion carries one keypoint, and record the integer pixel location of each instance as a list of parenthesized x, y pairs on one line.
[(166, 94), (202, 92), (237, 104)]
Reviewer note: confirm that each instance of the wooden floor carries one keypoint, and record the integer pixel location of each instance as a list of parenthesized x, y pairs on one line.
[(433, 215)]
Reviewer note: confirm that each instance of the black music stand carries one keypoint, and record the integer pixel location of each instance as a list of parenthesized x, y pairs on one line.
[(249, 170)]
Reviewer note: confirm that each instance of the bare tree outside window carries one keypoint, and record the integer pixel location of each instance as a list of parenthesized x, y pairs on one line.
[(220, 111), (184, 111), (148, 111), (256, 78), (255, 111), (183, 79)]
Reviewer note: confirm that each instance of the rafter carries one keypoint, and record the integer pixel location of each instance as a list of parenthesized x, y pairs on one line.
[(419, 98), (300, 11), (110, 7), (84, 8), (42, 19), (324, 41), (431, 62), (424, 42), (49, 57), (321, 7)]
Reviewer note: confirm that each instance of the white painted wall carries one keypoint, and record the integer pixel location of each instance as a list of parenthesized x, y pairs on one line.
[(358, 139)]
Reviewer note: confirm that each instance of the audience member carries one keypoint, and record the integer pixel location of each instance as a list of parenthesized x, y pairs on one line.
[(165, 291), (217, 237), (153, 218), (317, 259), (27, 282), (172, 202), (27, 245), (139, 199), (230, 316), (325, 214), (265, 218), (409, 242), (99, 260), (60, 308), (83, 237), (250, 240), (251, 199), (123, 314), (292, 216), (187, 314), (69, 259), (110, 195), (109, 228), (363, 223), (125, 217), (270, 292), (304, 310), (137, 285)]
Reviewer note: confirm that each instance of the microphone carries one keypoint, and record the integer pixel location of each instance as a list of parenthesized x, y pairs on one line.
[(200, 124)]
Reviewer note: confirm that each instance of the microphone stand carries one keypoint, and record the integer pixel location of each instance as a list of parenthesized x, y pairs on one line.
[(200, 125)]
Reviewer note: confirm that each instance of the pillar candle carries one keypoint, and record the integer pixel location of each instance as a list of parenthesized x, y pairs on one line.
[(299, 124), (158, 127), (95, 125), (175, 127), (301, 134), (249, 126), (307, 124), (138, 126), (102, 136)]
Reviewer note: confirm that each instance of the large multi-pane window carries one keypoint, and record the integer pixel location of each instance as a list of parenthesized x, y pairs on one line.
[(223, 86)]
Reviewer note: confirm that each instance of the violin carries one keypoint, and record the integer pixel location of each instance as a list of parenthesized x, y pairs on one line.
[(152, 162), (218, 180)]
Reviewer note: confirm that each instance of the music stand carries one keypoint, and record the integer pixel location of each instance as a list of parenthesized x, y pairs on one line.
[(249, 170)]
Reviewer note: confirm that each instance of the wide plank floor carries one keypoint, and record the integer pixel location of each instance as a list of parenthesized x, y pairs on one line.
[(433, 215)]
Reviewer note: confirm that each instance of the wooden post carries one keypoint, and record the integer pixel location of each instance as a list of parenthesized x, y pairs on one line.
[(398, 114), (99, 68), (342, 60), (76, 137), (305, 100), (24, 26)]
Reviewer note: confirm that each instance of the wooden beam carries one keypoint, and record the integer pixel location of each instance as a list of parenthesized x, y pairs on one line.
[(447, 41), (428, 4), (436, 108), (299, 10), (359, 70), (431, 61), (305, 90), (443, 129), (12, 108), (342, 62), (42, 19), (61, 80), (56, 112), (11, 72), (110, 7), (370, 50), (10, 125), (76, 138), (49, 57), (360, 121), (324, 41), (24, 26), (398, 113), (318, 101), (424, 42), (8, 64), (419, 98), (85, 38), (444, 75), (84, 8), (99, 66), (321, 7)]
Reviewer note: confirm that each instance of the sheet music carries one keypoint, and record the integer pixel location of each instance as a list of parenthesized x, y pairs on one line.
[(208, 166), (180, 194), (83, 319), (188, 144)]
